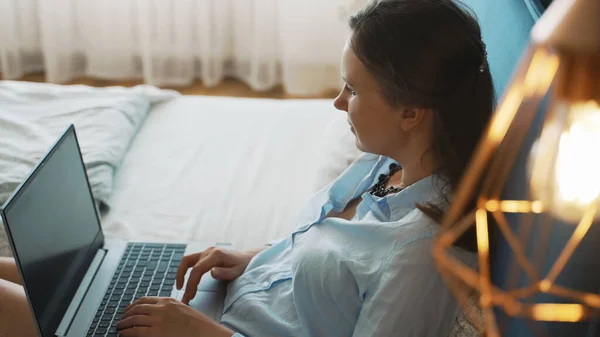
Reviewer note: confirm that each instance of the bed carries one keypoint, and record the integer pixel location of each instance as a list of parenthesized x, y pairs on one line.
[(213, 169), (226, 170), (165, 167)]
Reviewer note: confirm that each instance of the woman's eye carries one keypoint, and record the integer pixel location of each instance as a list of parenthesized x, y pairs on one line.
[(352, 92)]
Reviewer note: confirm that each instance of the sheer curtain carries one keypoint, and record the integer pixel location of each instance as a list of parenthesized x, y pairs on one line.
[(296, 43)]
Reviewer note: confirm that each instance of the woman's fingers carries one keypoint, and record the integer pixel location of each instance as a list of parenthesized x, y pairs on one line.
[(215, 258), (227, 274), (142, 300), (140, 310), (134, 321), (186, 263)]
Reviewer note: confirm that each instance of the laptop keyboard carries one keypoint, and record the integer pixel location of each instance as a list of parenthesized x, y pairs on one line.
[(146, 269)]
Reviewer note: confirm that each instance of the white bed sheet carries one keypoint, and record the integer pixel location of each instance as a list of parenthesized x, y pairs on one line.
[(230, 170)]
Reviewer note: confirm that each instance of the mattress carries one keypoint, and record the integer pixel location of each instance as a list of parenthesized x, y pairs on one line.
[(227, 170)]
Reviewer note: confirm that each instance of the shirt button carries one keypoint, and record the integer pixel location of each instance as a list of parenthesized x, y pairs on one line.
[(265, 284)]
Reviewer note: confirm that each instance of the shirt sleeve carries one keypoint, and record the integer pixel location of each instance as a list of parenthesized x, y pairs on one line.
[(276, 241), (237, 334), (410, 297)]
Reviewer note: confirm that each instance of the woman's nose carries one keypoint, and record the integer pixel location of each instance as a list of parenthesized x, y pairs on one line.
[(340, 102)]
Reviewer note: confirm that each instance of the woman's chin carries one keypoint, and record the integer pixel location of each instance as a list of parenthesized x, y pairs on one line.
[(359, 145), (357, 141)]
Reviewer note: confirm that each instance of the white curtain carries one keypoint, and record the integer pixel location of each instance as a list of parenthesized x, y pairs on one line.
[(296, 43)]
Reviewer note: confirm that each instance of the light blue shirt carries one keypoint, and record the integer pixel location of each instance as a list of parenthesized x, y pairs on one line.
[(371, 276)]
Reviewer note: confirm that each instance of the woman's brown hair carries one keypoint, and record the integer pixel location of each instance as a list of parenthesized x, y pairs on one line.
[(430, 54)]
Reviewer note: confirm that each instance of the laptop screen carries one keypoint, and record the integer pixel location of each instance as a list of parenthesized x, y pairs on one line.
[(54, 227)]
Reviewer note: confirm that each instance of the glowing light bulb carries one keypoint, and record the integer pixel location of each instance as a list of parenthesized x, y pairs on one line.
[(565, 175)]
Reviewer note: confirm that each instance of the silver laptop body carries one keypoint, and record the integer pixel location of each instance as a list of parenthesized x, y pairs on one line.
[(76, 281)]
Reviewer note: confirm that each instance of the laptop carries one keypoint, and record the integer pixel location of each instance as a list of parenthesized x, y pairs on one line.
[(77, 283)]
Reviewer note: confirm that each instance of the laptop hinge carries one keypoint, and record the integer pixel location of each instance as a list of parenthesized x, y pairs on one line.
[(62, 329)]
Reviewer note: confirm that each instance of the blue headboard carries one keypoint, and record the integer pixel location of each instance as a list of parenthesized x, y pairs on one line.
[(506, 25)]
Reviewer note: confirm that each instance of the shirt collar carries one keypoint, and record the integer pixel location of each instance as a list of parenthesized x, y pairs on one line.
[(428, 189), (356, 179), (363, 173)]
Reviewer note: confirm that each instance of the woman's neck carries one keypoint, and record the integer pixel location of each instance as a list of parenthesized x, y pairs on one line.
[(415, 170)]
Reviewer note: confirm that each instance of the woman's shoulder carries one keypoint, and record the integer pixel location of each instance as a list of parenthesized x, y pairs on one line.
[(414, 236), (414, 226)]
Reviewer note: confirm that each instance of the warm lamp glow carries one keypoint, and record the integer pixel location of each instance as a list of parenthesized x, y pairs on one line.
[(506, 113), (577, 162), (541, 73), (565, 176), (557, 312), (482, 232), (514, 206)]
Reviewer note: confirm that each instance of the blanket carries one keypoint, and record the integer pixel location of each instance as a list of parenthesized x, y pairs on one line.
[(34, 115)]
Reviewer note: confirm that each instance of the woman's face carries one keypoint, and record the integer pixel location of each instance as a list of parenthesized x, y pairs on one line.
[(376, 125)]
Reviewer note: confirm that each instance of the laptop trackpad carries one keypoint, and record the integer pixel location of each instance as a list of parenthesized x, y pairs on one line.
[(209, 303), (210, 297)]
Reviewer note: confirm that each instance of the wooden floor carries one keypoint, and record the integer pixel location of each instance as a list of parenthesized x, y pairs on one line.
[(229, 87)]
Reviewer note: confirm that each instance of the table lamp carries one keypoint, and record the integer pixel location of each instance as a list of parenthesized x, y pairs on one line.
[(561, 65)]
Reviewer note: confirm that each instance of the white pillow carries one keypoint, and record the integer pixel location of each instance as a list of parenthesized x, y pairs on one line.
[(340, 151)]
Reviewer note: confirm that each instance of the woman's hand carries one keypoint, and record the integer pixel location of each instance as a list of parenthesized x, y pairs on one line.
[(226, 265), (167, 317)]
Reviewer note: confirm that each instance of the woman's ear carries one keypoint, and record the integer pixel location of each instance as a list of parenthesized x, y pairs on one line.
[(411, 118)]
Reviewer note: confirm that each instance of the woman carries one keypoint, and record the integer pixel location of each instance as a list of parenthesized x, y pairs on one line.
[(418, 93)]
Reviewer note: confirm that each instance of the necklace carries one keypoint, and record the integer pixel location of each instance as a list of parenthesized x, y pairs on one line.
[(379, 189)]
